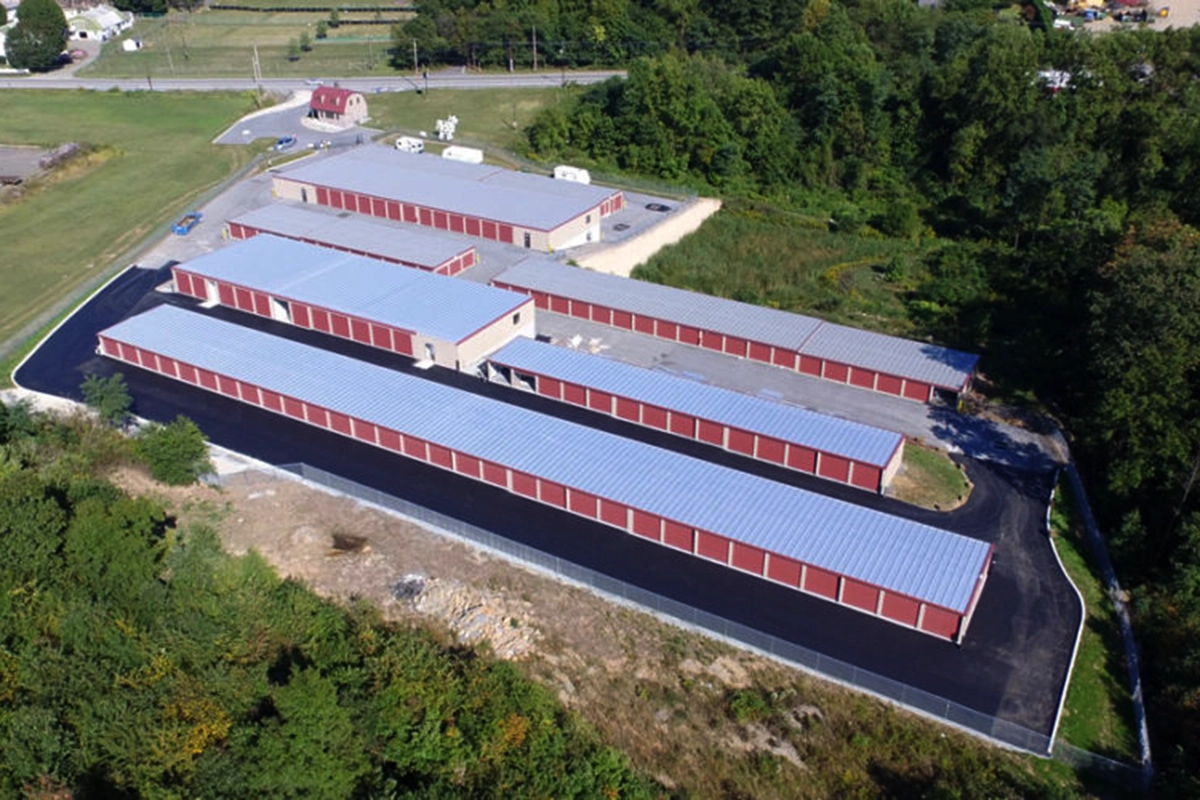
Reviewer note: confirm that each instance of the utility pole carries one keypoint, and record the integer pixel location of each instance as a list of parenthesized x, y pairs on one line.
[(415, 69), (257, 72), (535, 48)]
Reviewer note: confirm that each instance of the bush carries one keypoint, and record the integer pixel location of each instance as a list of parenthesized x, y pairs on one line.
[(108, 397), (176, 453)]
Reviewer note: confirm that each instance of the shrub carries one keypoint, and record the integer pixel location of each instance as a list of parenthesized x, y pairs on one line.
[(176, 453)]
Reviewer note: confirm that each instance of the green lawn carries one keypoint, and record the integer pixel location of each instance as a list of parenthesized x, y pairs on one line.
[(789, 262), (1098, 714), (928, 478), (221, 44), (154, 156), (493, 119)]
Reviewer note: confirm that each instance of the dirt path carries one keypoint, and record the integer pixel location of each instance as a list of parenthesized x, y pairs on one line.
[(622, 258)]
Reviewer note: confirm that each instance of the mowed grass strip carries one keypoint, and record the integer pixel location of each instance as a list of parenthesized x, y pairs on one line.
[(155, 157), (930, 479), (1098, 714), (788, 262)]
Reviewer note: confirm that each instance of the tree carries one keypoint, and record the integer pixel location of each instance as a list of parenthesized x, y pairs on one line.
[(335, 19), (176, 453), (3, 15), (108, 397), (322, 29), (37, 41), (305, 42)]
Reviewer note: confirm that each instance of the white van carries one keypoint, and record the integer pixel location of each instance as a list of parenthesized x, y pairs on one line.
[(408, 144)]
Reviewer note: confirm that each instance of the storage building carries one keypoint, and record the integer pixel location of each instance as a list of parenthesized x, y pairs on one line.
[(450, 322), (837, 449), (344, 107), (409, 247), (533, 211), (887, 566), (901, 367)]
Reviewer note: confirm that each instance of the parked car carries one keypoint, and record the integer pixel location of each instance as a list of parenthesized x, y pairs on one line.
[(314, 82), (185, 223), (285, 143)]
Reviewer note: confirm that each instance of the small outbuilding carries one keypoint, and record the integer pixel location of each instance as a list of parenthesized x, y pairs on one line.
[(338, 106)]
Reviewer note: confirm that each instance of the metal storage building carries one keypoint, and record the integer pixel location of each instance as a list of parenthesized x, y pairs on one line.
[(450, 322), (887, 364), (840, 450), (409, 247), (532, 211), (903, 571)]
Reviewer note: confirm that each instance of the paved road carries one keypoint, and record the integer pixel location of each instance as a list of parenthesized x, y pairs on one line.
[(1016, 654), (439, 80)]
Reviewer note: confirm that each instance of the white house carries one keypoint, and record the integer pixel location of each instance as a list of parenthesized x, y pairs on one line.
[(98, 22)]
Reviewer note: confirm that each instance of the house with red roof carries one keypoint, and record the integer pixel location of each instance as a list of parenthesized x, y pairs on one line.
[(336, 105)]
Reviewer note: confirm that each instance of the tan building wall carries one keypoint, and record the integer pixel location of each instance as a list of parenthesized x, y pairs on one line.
[(892, 468), (475, 348)]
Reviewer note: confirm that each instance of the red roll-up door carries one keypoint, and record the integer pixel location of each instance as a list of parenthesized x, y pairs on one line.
[(293, 408), (748, 558), (782, 357), (888, 384), (600, 401), (457, 223), (549, 387), (834, 467), (495, 474), (552, 493), (468, 259), (580, 309), (339, 422), (622, 319), (168, 366), (735, 346), (262, 305), (613, 513), (683, 425), (389, 439), (865, 476), (489, 230), (300, 315), (426, 217), (111, 348), (643, 324), (440, 456), (322, 196), (506, 234), (378, 207), (393, 211), (466, 465), (316, 415), (802, 458), (676, 535), (271, 400), (941, 622), (712, 546), (628, 409), (582, 503), (183, 283), (901, 609), (207, 379), (245, 300), (770, 449), (540, 299), (836, 372), (602, 314), (340, 325), (574, 393), (335, 199), (647, 525), (225, 295), (820, 582), (381, 336), (360, 331), (560, 305), (711, 432), (784, 570), (410, 214), (915, 390), (689, 335), (188, 373), (759, 352), (402, 342), (862, 378), (740, 441), (810, 366), (654, 417), (859, 595), (441, 220), (524, 484), (667, 330), (364, 431), (320, 320), (474, 228), (415, 448), (248, 392), (712, 341)]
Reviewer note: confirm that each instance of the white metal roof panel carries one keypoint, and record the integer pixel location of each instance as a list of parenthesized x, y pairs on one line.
[(790, 423), (901, 357), (897, 554), (423, 302), (904, 358), (411, 244), (471, 189)]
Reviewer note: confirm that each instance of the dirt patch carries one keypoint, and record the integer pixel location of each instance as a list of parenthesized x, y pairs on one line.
[(622, 258)]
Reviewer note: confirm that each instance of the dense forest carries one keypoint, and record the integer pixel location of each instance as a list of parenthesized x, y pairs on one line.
[(1050, 177), (139, 660)]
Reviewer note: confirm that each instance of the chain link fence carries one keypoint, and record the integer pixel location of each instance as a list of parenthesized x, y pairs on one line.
[(910, 697)]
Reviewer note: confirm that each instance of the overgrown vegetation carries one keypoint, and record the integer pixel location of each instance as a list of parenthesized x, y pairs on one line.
[(138, 659)]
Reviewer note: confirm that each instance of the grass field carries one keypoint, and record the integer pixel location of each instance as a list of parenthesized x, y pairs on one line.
[(1098, 714), (221, 44), (793, 263), (493, 119), (153, 155), (928, 478)]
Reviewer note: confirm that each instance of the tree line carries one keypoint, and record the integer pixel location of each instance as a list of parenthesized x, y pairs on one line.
[(138, 659)]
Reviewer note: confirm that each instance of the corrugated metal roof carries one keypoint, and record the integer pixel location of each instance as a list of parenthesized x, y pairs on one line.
[(897, 554), (900, 357), (423, 302), (411, 244), (529, 201), (792, 424)]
